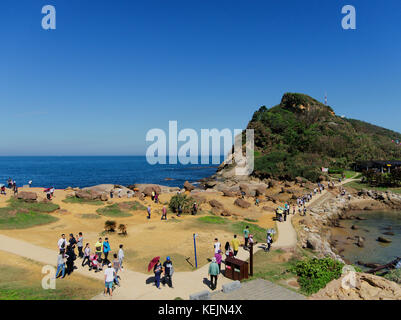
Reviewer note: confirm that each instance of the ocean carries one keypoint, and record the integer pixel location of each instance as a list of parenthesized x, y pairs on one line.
[(62, 172)]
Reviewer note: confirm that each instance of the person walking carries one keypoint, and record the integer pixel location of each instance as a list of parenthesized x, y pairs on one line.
[(80, 245), (217, 245), (168, 272), (149, 212), (156, 197), (228, 251), (108, 280), (235, 244), (70, 259), (213, 272), (194, 209), (30, 183), (87, 253), (117, 267), (61, 264), (121, 256), (99, 249), (106, 250), (164, 213), (269, 241), (62, 243), (246, 236), (153, 196), (157, 269), (219, 258), (179, 211)]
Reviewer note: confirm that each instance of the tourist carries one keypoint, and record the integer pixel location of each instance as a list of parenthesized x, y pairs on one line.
[(285, 214), (70, 259), (149, 211), (121, 256), (87, 253), (48, 195), (62, 243), (179, 211), (157, 269), (269, 241), (156, 197), (111, 194), (15, 188), (3, 190), (257, 202), (194, 209), (119, 193), (293, 210), (94, 263), (246, 236), (80, 245), (106, 250), (250, 241), (99, 249), (9, 183), (52, 191), (218, 257), (217, 245), (168, 272), (117, 267), (213, 272), (72, 242), (153, 196), (30, 183), (235, 244), (228, 251), (304, 211), (61, 264), (164, 213), (108, 280)]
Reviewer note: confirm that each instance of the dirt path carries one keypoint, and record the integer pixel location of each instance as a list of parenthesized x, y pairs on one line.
[(134, 285), (287, 236)]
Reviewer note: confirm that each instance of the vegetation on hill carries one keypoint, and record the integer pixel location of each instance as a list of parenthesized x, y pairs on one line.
[(301, 135)]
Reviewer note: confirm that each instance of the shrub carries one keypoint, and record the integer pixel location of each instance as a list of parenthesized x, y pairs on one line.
[(123, 229), (394, 275), (110, 226), (181, 199), (314, 274)]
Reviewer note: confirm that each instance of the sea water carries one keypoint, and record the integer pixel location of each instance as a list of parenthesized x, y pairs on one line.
[(62, 172)]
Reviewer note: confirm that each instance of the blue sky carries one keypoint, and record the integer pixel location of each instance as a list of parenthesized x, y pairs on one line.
[(112, 70)]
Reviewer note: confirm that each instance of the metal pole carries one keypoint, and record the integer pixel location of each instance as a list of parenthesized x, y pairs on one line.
[(251, 259), (196, 260)]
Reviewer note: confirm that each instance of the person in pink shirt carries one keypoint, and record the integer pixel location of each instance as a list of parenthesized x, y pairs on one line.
[(218, 259)]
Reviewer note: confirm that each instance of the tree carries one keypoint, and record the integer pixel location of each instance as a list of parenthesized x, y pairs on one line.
[(123, 229), (110, 226)]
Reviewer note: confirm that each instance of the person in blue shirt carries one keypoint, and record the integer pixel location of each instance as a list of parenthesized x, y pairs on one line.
[(106, 250)]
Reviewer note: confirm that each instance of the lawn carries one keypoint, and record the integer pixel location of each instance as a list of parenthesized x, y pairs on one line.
[(359, 186), (20, 215), (82, 201), (113, 210), (20, 279)]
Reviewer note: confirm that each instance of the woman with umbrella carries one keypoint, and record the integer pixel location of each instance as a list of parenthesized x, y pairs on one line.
[(157, 269)]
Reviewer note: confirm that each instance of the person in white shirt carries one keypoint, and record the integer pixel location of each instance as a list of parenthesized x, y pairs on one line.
[(109, 275), (30, 183), (217, 246), (62, 243), (121, 256)]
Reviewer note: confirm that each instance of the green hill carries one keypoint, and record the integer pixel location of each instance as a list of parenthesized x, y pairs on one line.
[(301, 135)]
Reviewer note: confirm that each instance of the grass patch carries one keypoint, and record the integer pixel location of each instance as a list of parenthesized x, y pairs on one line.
[(20, 215), (359, 186), (212, 220), (89, 216), (45, 207), (113, 211), (250, 220), (82, 201), (273, 266), (259, 233)]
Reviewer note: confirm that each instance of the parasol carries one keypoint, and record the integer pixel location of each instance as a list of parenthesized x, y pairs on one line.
[(152, 263)]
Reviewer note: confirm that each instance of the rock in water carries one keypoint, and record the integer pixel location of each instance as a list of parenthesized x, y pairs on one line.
[(389, 233), (383, 240)]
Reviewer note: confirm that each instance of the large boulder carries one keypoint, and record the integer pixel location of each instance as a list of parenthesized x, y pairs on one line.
[(228, 193), (188, 186), (245, 188), (216, 204), (27, 196), (91, 195), (242, 203)]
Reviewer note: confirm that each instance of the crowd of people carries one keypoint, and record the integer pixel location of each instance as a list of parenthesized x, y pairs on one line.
[(95, 260)]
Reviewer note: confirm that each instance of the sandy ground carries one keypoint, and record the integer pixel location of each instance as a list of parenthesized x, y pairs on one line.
[(146, 238)]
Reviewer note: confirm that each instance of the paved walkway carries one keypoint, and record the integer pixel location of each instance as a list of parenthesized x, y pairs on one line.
[(258, 289)]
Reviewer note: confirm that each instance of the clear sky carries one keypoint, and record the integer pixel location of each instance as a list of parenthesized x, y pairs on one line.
[(112, 70)]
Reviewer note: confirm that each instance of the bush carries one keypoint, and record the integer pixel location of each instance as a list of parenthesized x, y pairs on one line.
[(181, 199), (314, 274), (394, 275), (110, 226)]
